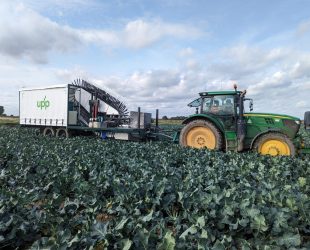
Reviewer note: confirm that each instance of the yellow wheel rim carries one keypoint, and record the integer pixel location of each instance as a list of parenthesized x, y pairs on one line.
[(200, 137), (274, 148)]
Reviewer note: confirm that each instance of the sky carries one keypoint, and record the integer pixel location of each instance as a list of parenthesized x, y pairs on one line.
[(160, 53)]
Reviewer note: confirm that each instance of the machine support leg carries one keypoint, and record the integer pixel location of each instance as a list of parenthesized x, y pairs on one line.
[(139, 113), (157, 113)]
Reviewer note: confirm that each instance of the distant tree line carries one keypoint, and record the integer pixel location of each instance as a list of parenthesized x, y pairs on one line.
[(174, 117)]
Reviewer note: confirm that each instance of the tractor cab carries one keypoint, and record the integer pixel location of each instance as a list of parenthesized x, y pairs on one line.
[(227, 106), (223, 109), (223, 105)]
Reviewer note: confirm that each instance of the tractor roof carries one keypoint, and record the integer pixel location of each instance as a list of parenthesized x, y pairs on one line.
[(211, 93)]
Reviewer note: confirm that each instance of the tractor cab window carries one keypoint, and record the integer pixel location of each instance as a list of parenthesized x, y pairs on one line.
[(195, 103), (219, 105)]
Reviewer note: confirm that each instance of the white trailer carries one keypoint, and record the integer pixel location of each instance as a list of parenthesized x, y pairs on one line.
[(55, 108), (44, 106)]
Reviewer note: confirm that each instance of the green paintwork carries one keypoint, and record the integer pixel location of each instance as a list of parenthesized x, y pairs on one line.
[(230, 135), (218, 123), (212, 93), (176, 136), (231, 140), (259, 123), (273, 115), (304, 151)]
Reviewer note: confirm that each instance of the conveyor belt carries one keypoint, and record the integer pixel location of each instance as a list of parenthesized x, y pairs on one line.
[(103, 96), (84, 116)]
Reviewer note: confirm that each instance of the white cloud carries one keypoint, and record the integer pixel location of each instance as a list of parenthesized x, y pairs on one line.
[(186, 52), (15, 75), (139, 33), (244, 60), (302, 104), (60, 3), (25, 33), (192, 64), (303, 28)]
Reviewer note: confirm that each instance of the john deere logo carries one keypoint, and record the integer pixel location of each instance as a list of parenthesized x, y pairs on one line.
[(44, 104)]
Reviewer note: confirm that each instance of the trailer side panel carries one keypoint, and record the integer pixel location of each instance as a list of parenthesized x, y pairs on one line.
[(44, 107)]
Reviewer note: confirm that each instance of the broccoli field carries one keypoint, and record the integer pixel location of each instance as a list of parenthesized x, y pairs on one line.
[(86, 193)]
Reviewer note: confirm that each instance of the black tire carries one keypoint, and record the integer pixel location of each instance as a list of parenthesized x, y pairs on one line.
[(260, 141), (62, 132), (205, 124), (49, 131)]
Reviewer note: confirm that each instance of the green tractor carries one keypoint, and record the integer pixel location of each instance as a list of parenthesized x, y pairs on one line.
[(221, 123)]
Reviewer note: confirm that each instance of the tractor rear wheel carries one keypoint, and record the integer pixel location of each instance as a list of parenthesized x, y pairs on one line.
[(274, 144), (201, 134)]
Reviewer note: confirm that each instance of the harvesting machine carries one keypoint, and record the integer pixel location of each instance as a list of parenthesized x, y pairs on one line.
[(220, 121)]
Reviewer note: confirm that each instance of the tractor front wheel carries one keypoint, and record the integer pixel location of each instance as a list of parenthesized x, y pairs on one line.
[(274, 144), (201, 134)]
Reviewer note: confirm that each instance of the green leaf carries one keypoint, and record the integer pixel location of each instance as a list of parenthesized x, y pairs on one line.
[(218, 246), (121, 224), (204, 234), (180, 197), (141, 238), (259, 223), (200, 222), (243, 222), (253, 212), (280, 222), (290, 240), (302, 181), (148, 217), (290, 203), (74, 240), (245, 245), (190, 230), (100, 229), (168, 242), (126, 244)]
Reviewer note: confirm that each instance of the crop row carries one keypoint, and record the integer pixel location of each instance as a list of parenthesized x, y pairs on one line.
[(87, 193)]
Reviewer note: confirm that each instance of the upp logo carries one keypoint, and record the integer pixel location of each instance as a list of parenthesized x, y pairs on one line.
[(44, 104)]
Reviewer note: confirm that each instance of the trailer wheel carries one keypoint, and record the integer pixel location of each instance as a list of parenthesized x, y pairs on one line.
[(201, 134), (39, 131), (49, 131), (62, 132), (274, 144)]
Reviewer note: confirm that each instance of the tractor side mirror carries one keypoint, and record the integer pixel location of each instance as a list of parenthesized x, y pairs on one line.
[(251, 105), (307, 120)]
